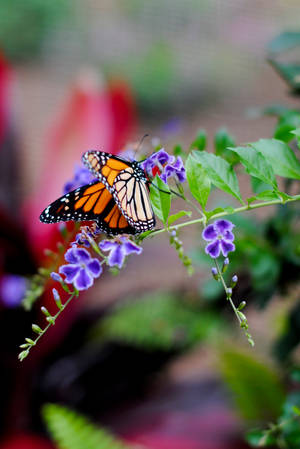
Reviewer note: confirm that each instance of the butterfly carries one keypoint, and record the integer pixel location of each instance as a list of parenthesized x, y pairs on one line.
[(119, 202)]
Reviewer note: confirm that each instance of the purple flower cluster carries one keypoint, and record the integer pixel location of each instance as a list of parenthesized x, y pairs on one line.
[(82, 176), (118, 250), (220, 236), (81, 269), (167, 165)]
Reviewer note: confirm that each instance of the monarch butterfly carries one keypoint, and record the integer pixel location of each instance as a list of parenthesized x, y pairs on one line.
[(118, 202)]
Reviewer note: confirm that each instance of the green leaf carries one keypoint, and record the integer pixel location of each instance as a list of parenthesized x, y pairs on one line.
[(178, 151), (198, 180), (256, 165), (258, 186), (175, 217), (280, 156), (287, 123), (284, 41), (161, 201), (229, 210), (223, 140), (260, 438), (267, 195), (71, 430), (220, 172), (296, 132), (200, 142), (289, 72), (257, 390)]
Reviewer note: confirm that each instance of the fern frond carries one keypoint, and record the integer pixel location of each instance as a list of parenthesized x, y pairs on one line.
[(70, 430)]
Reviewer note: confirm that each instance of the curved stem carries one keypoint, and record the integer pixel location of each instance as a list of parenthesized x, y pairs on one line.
[(224, 213)]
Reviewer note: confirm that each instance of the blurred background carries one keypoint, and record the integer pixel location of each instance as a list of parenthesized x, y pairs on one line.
[(152, 356)]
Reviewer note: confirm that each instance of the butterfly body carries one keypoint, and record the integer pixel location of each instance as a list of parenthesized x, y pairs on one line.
[(119, 202)]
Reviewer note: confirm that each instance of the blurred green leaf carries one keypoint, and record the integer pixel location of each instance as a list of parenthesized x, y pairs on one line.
[(198, 180), (284, 41), (280, 156), (289, 72), (296, 133), (258, 186), (260, 438), (220, 172), (159, 321), (256, 165), (256, 388), (161, 201), (288, 122), (200, 142), (70, 430), (223, 140)]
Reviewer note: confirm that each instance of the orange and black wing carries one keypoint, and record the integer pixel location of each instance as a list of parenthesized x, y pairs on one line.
[(92, 202), (127, 183)]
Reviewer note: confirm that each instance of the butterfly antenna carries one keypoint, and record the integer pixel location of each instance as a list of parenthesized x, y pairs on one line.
[(140, 143)]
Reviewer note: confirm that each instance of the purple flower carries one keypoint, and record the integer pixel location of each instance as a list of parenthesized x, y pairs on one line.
[(81, 269), (82, 176), (12, 289), (118, 250), (176, 170), (166, 164), (220, 237)]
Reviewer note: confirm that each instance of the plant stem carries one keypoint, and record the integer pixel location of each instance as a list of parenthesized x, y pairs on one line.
[(235, 211)]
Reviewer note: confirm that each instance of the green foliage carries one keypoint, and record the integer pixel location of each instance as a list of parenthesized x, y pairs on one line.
[(160, 199), (70, 430), (180, 214), (285, 432), (220, 172), (284, 41), (256, 165), (34, 18), (287, 123), (159, 321), (199, 181), (200, 141), (256, 388), (280, 156)]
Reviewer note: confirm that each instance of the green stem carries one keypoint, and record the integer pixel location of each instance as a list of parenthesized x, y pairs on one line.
[(235, 211), (228, 296)]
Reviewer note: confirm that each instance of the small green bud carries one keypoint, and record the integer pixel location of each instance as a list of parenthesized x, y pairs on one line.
[(29, 340), (23, 355), (45, 311), (25, 345), (242, 305), (36, 329), (50, 320)]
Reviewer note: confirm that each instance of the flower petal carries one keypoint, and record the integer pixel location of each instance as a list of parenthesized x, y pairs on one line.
[(71, 256), (213, 249), (228, 235), (226, 247), (129, 247), (84, 280), (221, 226), (70, 271), (94, 268), (116, 257), (209, 233), (163, 157), (107, 245), (83, 256)]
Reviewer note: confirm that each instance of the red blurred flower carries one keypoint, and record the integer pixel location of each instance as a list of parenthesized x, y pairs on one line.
[(26, 441)]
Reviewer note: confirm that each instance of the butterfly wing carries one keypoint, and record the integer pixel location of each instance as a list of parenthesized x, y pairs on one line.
[(90, 202), (127, 183)]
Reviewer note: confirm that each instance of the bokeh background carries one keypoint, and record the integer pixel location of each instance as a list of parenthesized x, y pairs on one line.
[(152, 355)]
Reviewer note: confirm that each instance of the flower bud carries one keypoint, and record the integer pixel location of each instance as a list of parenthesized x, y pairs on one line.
[(229, 291), (234, 280), (215, 273), (56, 298), (36, 329), (56, 276), (45, 311), (225, 264)]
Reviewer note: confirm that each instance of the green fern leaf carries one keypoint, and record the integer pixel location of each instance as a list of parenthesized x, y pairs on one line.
[(71, 430)]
